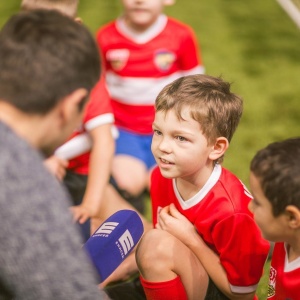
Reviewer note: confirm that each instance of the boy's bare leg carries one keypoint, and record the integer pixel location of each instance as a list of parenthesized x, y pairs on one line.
[(161, 257), (130, 174), (113, 203)]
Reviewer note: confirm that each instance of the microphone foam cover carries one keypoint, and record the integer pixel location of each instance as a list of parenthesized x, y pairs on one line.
[(113, 241)]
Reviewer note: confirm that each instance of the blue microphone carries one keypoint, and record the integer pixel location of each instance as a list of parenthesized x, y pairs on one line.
[(113, 241)]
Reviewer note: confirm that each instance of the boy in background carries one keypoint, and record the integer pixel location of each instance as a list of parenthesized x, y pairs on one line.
[(143, 50), (207, 245), (86, 175), (48, 66), (275, 184)]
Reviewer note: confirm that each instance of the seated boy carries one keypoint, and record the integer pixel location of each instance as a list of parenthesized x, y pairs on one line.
[(275, 183), (207, 245), (87, 175)]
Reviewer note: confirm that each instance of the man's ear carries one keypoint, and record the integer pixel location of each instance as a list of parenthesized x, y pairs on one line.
[(78, 20), (293, 214), (73, 104), (219, 148)]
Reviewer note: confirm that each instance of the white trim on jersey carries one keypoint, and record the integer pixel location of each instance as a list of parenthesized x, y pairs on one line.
[(82, 142), (196, 70), (76, 146), (103, 119), (290, 266), (148, 35), (243, 289), (141, 90), (212, 180)]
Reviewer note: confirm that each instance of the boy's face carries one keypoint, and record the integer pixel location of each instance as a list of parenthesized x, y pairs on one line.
[(272, 228), (141, 14), (179, 147)]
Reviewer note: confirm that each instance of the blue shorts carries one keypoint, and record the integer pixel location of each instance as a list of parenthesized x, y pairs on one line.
[(135, 145)]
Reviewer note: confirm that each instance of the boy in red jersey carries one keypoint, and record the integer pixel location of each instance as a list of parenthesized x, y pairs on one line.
[(86, 175), (143, 50), (275, 183), (207, 245)]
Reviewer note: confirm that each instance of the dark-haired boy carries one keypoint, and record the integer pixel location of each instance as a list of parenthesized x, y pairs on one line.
[(275, 184)]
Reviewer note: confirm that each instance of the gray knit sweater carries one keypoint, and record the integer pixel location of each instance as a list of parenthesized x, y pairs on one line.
[(40, 249)]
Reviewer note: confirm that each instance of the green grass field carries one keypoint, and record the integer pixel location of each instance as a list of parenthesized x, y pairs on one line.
[(252, 44)]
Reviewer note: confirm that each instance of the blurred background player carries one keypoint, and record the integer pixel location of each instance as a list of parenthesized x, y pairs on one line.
[(275, 184), (86, 175), (141, 54)]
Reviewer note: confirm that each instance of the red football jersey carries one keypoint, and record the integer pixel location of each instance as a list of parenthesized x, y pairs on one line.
[(98, 112), (284, 278), (219, 212), (138, 66)]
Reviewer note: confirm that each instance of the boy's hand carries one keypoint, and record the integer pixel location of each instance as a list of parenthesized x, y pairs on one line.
[(171, 220), (56, 166), (80, 213)]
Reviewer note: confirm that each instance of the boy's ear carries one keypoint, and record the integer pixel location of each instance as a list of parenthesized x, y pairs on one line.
[(293, 214), (219, 148)]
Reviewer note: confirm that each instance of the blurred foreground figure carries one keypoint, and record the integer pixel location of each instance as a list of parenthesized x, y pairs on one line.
[(48, 66)]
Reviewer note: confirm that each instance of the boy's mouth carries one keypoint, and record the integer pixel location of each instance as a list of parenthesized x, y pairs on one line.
[(165, 161)]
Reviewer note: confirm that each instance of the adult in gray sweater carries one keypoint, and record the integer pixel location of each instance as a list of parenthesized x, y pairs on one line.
[(48, 65)]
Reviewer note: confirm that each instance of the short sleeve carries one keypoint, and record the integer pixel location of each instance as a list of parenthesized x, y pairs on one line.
[(190, 56), (98, 110), (242, 250)]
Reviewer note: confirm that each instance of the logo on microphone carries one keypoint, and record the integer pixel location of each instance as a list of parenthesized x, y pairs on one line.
[(106, 229), (125, 243)]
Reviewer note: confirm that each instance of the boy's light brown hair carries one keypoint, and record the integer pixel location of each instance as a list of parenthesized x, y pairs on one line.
[(211, 103), (66, 7)]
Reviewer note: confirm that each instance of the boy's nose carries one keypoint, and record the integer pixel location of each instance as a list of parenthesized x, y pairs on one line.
[(164, 146)]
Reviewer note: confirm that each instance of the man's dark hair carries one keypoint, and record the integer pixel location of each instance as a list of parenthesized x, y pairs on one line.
[(277, 168), (45, 56)]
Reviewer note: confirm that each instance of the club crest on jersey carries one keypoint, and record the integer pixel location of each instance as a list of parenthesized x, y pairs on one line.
[(117, 58), (164, 59), (272, 282)]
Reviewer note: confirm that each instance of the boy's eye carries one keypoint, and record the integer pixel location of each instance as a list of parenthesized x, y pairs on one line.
[(157, 132), (181, 138)]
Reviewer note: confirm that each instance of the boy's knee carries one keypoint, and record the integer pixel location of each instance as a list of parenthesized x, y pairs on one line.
[(153, 251), (130, 175), (133, 187)]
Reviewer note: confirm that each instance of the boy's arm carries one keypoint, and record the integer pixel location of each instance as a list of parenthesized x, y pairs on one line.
[(99, 172), (178, 225)]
